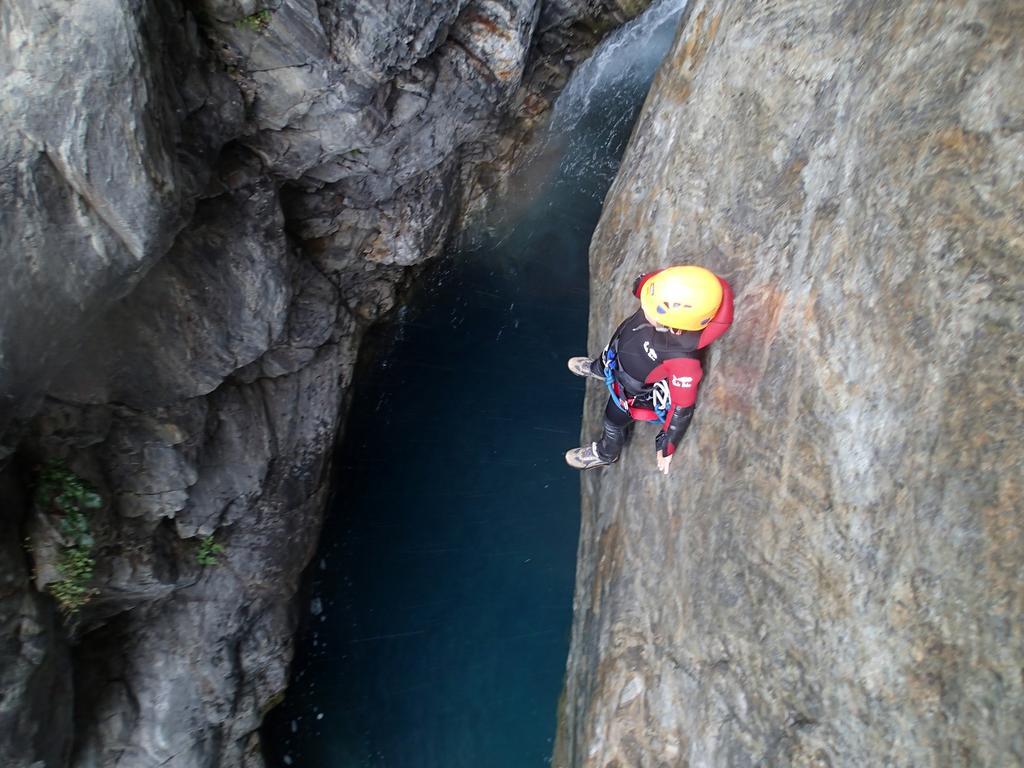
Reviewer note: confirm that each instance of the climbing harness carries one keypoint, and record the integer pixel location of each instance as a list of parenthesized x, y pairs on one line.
[(662, 400), (661, 397), (610, 364)]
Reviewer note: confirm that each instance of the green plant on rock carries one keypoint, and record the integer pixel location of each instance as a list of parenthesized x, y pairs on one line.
[(62, 491), (255, 22), (209, 551)]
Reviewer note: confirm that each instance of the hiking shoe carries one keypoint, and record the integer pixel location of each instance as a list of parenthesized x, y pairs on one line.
[(583, 366), (585, 458)]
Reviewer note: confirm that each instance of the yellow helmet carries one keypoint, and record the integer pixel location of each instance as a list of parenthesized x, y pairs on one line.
[(684, 298)]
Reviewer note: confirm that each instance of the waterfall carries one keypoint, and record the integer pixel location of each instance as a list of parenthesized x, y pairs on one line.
[(593, 116), (620, 66)]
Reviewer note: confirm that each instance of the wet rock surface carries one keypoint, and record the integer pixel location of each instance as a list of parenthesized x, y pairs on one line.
[(830, 575), (104, 149), (35, 670), (204, 205)]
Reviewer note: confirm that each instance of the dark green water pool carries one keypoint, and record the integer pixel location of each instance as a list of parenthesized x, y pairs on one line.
[(439, 604)]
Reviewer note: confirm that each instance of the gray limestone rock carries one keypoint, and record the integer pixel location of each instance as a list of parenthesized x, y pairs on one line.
[(378, 43), (195, 671), (98, 170), (217, 302), (392, 117), (831, 573), (208, 213), (35, 664)]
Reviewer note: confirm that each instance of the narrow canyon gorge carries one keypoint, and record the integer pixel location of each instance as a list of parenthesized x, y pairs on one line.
[(207, 205)]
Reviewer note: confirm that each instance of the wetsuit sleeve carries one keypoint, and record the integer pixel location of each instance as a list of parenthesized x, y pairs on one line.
[(683, 376)]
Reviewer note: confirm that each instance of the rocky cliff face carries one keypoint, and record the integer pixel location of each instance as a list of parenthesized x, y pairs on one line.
[(831, 574), (202, 207)]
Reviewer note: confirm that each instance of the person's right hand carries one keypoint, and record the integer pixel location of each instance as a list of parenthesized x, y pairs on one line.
[(664, 462)]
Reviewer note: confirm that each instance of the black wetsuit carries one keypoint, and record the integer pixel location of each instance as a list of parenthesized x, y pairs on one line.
[(651, 358)]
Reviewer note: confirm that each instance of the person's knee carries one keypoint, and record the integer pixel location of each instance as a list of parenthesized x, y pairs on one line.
[(613, 414)]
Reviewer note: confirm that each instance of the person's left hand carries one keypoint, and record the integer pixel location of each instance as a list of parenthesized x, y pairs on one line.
[(664, 462)]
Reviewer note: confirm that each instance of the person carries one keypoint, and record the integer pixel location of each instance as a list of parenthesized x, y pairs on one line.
[(652, 364)]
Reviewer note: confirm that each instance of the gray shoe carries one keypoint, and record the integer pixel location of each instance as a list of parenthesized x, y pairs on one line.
[(581, 366), (585, 457)]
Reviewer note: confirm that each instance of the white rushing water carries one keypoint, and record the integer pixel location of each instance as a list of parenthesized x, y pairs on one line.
[(624, 62), (578, 152), (592, 118)]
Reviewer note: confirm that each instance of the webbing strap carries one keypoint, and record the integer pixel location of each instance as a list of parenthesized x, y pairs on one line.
[(611, 365)]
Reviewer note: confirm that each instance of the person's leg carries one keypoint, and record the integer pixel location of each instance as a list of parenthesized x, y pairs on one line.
[(606, 450), (614, 432)]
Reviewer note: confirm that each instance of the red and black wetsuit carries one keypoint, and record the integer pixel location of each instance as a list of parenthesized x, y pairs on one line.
[(650, 357)]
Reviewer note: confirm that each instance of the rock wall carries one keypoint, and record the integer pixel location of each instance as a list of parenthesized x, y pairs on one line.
[(203, 205), (831, 573)]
